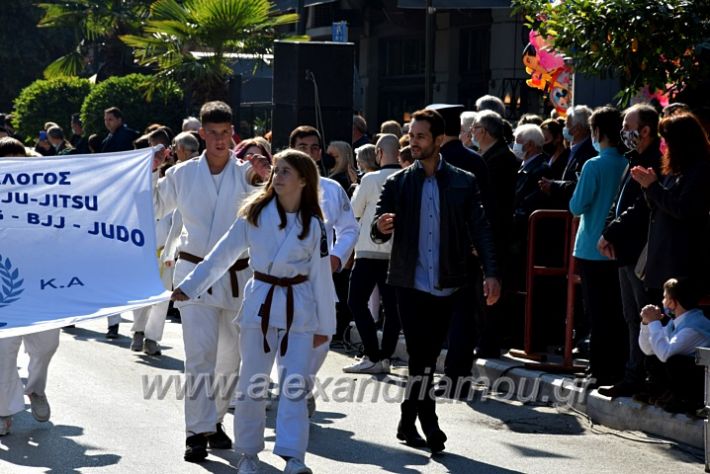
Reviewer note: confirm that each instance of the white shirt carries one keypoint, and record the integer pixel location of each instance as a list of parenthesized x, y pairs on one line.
[(655, 339)]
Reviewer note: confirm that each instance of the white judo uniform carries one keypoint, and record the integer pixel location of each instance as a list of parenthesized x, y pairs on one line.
[(150, 320), (277, 254), (208, 205), (339, 219), (40, 346)]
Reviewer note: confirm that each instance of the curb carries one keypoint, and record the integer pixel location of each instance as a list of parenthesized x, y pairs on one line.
[(622, 414)]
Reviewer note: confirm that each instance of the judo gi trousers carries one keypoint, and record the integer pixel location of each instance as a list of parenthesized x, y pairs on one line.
[(150, 320), (211, 364), (41, 347), (250, 411)]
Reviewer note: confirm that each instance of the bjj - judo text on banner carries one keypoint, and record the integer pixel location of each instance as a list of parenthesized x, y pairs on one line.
[(77, 239)]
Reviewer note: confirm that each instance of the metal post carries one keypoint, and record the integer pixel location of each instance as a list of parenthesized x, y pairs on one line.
[(428, 48), (301, 25)]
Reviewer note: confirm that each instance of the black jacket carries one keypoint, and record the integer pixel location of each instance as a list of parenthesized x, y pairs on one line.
[(628, 231), (557, 168), (455, 153), (463, 226), (561, 191), (678, 237), (502, 169), (121, 140), (528, 196)]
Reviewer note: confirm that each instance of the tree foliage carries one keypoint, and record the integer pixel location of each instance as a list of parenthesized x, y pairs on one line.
[(26, 50), (48, 101), (128, 93), (174, 31), (664, 44), (96, 24)]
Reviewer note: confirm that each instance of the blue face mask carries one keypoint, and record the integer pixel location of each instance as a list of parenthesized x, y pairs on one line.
[(568, 136), (596, 145), (668, 312), (475, 143)]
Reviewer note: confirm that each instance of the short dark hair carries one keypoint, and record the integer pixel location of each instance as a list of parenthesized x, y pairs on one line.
[(11, 147), (648, 117), (215, 111), (303, 131), (160, 136), (76, 118), (437, 126), (115, 111), (94, 143), (684, 290), (609, 122), (553, 126)]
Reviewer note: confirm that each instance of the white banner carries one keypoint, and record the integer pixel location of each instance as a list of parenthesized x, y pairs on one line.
[(77, 239)]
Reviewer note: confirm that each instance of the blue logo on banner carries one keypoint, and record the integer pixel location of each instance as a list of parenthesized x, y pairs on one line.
[(11, 283)]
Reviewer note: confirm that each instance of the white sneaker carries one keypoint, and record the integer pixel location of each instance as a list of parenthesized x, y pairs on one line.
[(248, 464), (40, 407), (5, 425), (366, 366), (296, 466)]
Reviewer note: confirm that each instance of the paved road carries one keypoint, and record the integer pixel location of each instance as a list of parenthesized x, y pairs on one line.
[(102, 423)]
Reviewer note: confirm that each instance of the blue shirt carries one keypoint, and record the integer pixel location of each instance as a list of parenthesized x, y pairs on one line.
[(596, 189), (426, 273)]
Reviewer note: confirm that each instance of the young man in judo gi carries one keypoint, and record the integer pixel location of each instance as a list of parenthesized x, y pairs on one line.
[(287, 309)]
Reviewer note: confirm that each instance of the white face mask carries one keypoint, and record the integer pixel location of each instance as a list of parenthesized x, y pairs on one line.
[(518, 150)]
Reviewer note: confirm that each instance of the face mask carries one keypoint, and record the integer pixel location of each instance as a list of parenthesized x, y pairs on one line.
[(596, 145), (568, 136), (518, 150), (475, 143), (668, 312), (630, 138), (549, 148)]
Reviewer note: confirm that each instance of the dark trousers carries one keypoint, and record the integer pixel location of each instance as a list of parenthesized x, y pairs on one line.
[(366, 274), (425, 321), (681, 375), (602, 306), (341, 280), (469, 325), (633, 298)]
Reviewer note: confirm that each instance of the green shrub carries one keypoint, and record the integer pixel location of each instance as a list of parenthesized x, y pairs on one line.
[(48, 101), (128, 93)]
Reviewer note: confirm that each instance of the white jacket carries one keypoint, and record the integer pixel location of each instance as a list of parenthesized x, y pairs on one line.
[(339, 219), (364, 201), (206, 216), (279, 253)]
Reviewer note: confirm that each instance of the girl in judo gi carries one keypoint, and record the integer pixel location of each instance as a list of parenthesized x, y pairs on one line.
[(288, 307)]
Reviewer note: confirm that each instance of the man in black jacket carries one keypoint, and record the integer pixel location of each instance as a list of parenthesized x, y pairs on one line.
[(433, 212), (625, 237), (120, 137)]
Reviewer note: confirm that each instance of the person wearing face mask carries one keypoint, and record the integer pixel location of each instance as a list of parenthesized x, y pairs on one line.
[(625, 237), (576, 133), (597, 187), (554, 147), (671, 348)]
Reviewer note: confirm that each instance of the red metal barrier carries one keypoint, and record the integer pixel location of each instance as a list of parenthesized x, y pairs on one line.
[(533, 272)]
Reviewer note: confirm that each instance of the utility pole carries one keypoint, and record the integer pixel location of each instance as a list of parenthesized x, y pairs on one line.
[(301, 25), (428, 50)]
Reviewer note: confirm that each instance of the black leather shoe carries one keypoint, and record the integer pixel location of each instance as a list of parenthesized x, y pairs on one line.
[(196, 448), (435, 440), (410, 436), (219, 439)]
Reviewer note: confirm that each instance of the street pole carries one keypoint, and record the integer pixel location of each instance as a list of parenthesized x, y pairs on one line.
[(428, 45), (301, 10)]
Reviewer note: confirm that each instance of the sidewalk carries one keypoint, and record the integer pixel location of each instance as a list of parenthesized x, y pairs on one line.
[(622, 414)]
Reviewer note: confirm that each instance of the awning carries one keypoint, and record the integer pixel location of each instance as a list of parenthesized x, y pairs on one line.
[(455, 4), (283, 5)]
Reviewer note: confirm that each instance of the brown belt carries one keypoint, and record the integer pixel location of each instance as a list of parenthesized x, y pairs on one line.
[(265, 309), (239, 265)]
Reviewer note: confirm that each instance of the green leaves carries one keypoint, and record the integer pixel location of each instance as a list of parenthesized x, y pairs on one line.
[(642, 43)]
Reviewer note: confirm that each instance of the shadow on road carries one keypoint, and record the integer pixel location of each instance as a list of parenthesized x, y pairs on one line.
[(50, 448)]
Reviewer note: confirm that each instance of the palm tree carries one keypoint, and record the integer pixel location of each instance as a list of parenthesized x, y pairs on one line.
[(190, 42), (97, 25)]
